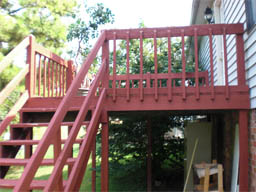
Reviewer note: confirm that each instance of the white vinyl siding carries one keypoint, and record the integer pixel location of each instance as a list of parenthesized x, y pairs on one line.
[(204, 56), (235, 12)]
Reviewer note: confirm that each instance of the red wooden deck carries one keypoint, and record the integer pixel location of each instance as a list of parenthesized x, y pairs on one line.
[(53, 88)]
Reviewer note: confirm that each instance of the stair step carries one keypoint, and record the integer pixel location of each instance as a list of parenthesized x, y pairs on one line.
[(25, 125), (35, 184), (48, 109), (31, 142), (23, 162)]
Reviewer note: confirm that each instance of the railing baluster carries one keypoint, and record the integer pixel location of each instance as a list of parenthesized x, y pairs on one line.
[(52, 78), (39, 76), (148, 80), (196, 64), (141, 65), (128, 66), (63, 80), (240, 60), (211, 65), (35, 73), (225, 62), (114, 70), (183, 65), (60, 83), (56, 79), (155, 61), (169, 84), (44, 89), (49, 76)]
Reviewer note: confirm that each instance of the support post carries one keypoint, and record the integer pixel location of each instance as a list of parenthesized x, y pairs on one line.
[(240, 60), (243, 147), (149, 156), (104, 155), (105, 55), (28, 148), (94, 166), (56, 151), (71, 153), (30, 78), (70, 74)]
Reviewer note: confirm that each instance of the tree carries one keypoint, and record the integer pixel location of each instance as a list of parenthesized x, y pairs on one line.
[(43, 19), (81, 32)]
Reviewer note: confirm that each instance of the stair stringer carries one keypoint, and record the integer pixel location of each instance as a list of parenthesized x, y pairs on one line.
[(5, 151)]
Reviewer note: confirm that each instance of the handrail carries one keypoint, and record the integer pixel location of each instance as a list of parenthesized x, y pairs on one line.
[(8, 58), (13, 83), (12, 113), (47, 53), (74, 131), (35, 160), (86, 147), (217, 29)]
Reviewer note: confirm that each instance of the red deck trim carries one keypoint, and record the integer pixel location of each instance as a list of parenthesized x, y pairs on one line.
[(35, 184), (31, 142), (23, 162)]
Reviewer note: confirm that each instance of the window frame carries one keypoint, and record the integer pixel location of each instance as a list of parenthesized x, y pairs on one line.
[(250, 15)]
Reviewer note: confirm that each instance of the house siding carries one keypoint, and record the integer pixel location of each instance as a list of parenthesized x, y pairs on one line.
[(234, 12)]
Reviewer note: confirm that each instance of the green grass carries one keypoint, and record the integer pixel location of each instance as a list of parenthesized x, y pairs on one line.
[(127, 181), (44, 172)]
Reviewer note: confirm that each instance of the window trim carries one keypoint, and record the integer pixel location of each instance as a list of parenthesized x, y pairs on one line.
[(250, 21)]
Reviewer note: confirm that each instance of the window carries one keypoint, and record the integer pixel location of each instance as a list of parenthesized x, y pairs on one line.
[(251, 13)]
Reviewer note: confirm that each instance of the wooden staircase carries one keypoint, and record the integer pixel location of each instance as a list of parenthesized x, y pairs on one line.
[(22, 135), (49, 77), (51, 101)]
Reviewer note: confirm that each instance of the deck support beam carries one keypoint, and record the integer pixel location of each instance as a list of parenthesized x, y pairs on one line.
[(149, 156), (243, 154), (71, 153), (104, 155), (28, 148), (94, 165)]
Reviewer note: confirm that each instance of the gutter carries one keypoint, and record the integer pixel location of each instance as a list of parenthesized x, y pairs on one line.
[(195, 6)]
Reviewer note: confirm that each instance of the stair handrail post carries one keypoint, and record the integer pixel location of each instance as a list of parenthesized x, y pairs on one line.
[(105, 56), (70, 73), (30, 78), (240, 59)]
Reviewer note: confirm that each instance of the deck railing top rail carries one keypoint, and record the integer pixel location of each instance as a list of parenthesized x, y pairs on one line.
[(202, 30)]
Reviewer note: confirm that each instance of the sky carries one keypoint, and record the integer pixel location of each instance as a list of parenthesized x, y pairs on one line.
[(154, 13)]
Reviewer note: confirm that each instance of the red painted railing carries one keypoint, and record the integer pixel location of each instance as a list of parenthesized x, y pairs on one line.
[(50, 75), (53, 130), (47, 75), (144, 82), (154, 80)]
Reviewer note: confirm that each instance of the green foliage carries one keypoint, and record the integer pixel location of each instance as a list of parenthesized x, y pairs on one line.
[(148, 56), (81, 31), (41, 18), (128, 142), (6, 76)]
